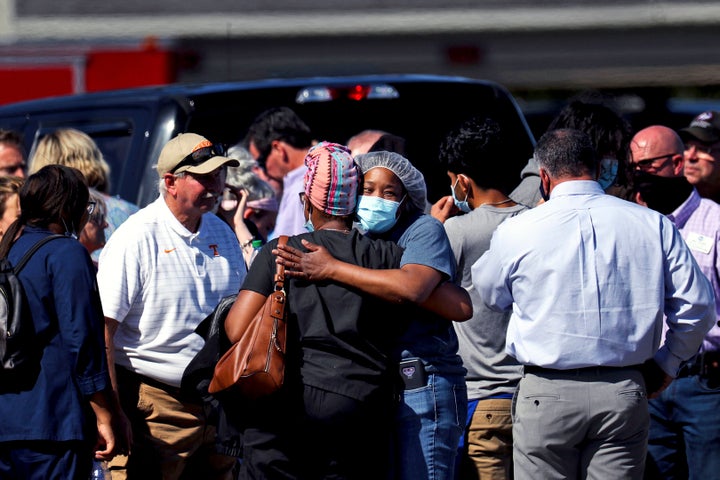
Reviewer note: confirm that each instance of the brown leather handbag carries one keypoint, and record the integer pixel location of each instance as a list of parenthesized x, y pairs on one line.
[(255, 365)]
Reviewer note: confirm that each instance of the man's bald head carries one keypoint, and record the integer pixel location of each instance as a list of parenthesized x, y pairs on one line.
[(658, 150), (363, 141)]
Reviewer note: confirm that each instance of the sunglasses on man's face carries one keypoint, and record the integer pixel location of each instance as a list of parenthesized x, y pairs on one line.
[(648, 162)]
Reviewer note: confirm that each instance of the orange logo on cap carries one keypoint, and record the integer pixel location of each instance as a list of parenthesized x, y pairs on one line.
[(203, 144)]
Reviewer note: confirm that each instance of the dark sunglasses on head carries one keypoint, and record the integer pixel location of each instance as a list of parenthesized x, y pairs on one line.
[(200, 155)]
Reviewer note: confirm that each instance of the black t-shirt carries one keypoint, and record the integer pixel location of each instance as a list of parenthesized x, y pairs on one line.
[(339, 339)]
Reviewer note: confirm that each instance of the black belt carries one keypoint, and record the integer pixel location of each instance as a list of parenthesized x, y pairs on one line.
[(596, 370), (703, 364)]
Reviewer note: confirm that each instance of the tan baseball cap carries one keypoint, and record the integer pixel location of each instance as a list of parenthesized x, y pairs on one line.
[(190, 152)]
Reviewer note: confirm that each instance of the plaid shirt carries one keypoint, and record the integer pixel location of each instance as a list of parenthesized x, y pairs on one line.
[(698, 220)]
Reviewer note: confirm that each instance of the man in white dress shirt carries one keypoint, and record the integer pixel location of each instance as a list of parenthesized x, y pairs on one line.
[(589, 278)]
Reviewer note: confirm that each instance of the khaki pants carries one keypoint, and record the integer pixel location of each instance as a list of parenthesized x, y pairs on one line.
[(171, 439), (488, 444)]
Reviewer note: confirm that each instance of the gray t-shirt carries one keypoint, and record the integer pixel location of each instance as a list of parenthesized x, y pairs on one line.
[(490, 371), (528, 190)]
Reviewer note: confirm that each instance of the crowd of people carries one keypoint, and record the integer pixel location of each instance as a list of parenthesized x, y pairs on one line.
[(562, 323)]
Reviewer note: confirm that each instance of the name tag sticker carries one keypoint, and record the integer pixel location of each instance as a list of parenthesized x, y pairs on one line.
[(699, 243)]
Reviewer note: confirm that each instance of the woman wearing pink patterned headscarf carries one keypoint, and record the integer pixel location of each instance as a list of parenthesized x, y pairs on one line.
[(333, 415)]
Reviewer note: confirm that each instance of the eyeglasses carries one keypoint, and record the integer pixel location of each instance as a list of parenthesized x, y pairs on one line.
[(200, 155), (98, 219), (707, 150), (94, 215), (647, 162)]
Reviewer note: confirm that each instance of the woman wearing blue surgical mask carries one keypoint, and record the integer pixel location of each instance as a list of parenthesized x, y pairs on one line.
[(391, 206), (378, 206)]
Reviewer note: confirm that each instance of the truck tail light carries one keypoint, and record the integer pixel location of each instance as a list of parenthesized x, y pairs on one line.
[(353, 92)]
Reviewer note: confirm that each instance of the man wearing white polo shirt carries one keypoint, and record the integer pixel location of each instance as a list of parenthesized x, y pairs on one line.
[(162, 272)]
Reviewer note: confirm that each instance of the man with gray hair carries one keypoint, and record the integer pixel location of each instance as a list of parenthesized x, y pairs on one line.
[(161, 273), (589, 278), (249, 204)]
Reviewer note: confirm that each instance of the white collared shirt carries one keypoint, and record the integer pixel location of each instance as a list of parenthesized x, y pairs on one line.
[(588, 277), (290, 217), (159, 280)]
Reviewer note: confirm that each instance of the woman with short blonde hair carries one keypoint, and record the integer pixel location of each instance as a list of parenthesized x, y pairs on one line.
[(73, 148)]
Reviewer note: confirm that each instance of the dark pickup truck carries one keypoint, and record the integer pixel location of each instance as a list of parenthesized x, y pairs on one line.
[(131, 126)]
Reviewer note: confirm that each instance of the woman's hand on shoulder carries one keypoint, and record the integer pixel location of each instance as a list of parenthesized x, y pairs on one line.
[(314, 265)]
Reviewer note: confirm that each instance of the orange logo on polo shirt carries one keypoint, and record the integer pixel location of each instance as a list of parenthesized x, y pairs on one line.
[(214, 248), (170, 250)]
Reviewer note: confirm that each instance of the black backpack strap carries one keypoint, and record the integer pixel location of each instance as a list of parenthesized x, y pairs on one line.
[(34, 249)]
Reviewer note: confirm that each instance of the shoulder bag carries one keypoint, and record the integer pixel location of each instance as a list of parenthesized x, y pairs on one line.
[(19, 345), (255, 365)]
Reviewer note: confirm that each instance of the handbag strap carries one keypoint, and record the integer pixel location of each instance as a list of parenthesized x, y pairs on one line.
[(279, 268)]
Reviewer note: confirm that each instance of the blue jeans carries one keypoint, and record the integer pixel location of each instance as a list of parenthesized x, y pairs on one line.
[(430, 423), (685, 431)]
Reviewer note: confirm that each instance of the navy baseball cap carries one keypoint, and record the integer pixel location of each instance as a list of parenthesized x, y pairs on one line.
[(705, 128)]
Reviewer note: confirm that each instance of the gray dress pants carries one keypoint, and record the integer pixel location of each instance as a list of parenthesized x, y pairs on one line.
[(587, 423)]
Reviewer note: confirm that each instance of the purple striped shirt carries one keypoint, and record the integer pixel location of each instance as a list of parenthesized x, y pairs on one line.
[(698, 220)]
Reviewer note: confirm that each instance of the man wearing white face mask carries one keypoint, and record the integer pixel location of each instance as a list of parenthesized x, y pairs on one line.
[(479, 187)]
